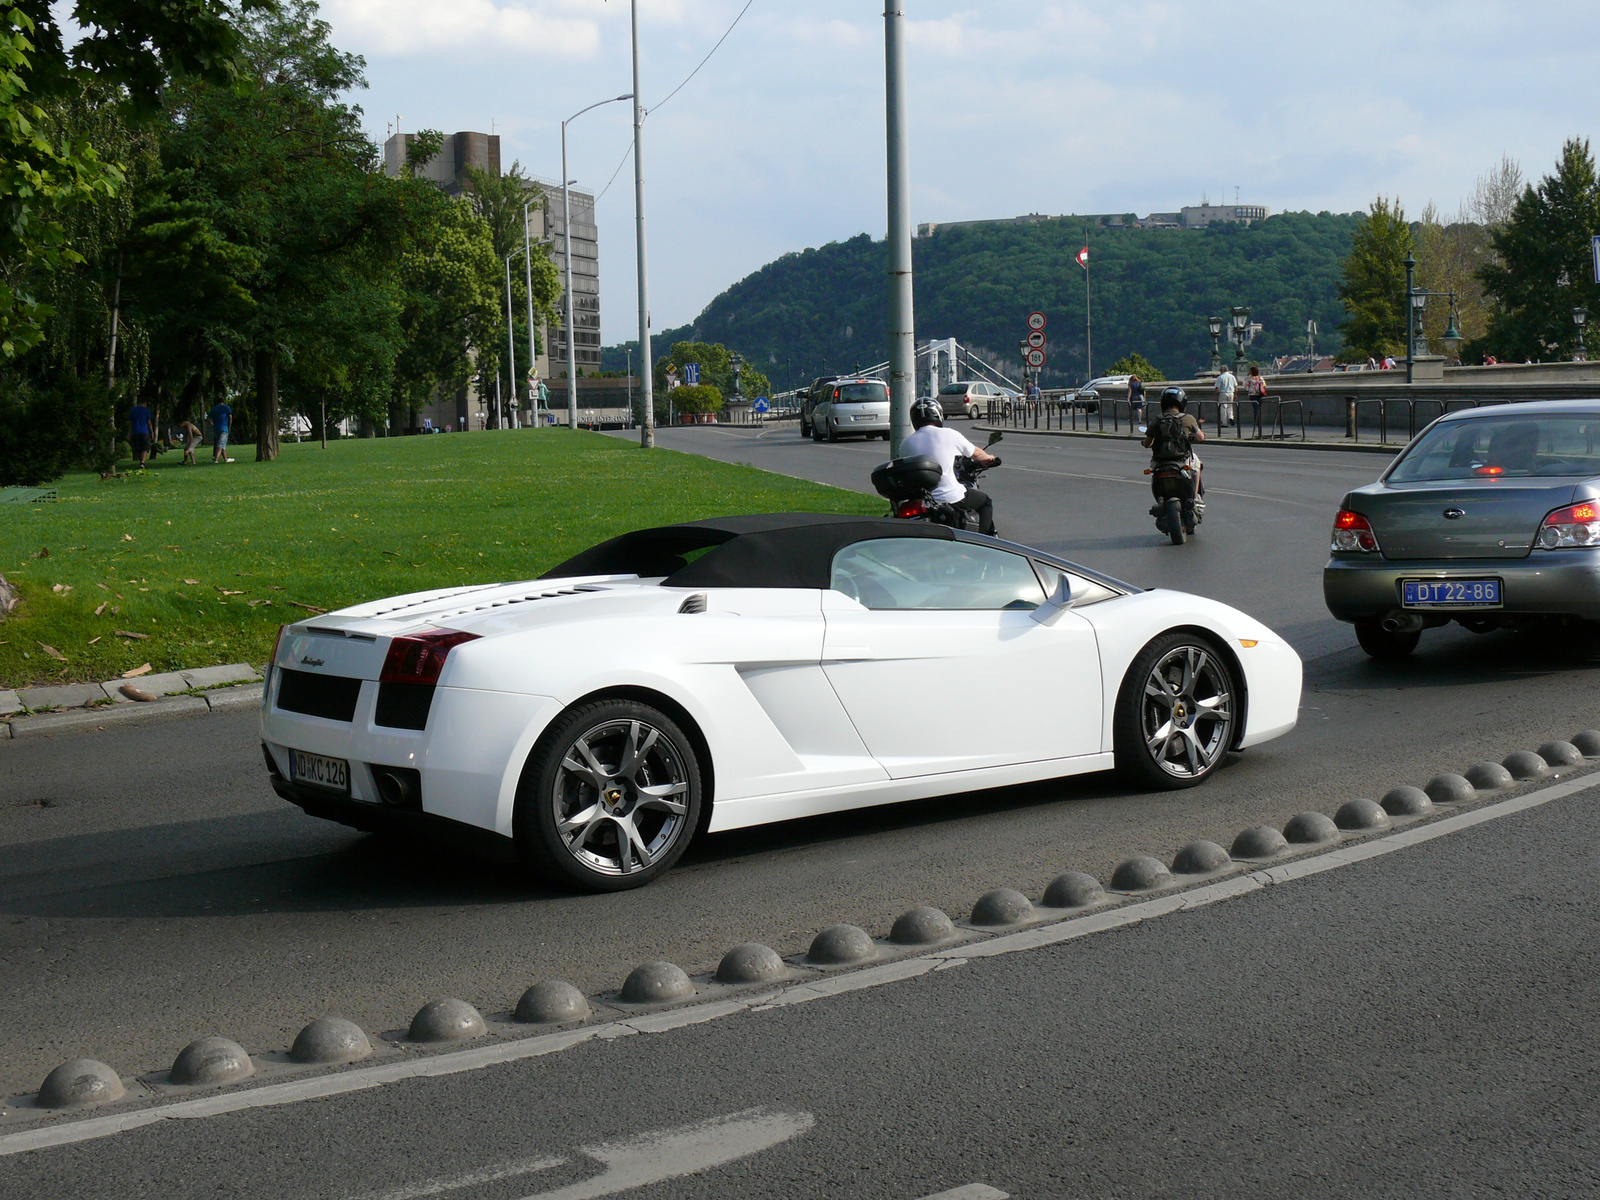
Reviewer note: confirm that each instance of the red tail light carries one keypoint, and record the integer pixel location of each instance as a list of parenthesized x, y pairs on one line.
[(419, 657), (910, 508), (277, 642), (1575, 525), (1351, 531)]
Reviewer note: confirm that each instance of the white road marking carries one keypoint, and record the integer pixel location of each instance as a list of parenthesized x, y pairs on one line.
[(66, 1131), (671, 1153), (435, 1187), (971, 1191)]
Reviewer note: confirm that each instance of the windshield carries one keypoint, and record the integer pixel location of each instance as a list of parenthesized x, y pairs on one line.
[(855, 393), (1504, 447)]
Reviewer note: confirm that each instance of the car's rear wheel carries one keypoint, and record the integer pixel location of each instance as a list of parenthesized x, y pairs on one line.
[(1176, 712), (1384, 645), (832, 433), (610, 797), (1174, 521)]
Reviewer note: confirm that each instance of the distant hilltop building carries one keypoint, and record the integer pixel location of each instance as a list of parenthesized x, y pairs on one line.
[(1193, 216), (448, 168)]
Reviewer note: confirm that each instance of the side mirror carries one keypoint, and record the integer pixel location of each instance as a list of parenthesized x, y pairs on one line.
[(994, 437), (1060, 600)]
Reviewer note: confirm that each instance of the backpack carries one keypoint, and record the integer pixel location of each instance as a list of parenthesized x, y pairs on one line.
[(1169, 440)]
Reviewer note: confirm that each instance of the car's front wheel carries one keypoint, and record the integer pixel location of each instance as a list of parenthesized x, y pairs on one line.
[(610, 797), (1176, 712), (1384, 646)]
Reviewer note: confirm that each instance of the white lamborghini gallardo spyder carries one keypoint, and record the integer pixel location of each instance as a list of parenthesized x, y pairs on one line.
[(743, 670)]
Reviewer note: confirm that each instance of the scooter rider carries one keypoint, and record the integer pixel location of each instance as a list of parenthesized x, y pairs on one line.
[(931, 439), (1171, 438)]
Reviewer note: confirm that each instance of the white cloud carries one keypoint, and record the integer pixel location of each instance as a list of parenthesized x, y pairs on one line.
[(399, 27)]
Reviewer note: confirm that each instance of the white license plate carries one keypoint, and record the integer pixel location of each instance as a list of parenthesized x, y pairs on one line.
[(319, 771)]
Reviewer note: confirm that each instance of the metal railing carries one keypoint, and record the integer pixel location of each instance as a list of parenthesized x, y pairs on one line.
[(1268, 417), (1354, 406)]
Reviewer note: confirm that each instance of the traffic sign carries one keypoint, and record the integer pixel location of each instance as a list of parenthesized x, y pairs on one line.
[(691, 373), (1036, 320), (1036, 338), (760, 405), (1036, 358)]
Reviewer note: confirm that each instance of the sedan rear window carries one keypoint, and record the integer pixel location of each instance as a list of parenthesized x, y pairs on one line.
[(953, 389), (856, 393), (1504, 446)]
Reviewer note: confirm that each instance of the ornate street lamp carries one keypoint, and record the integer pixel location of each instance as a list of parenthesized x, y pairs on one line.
[(1214, 324), (1411, 315), (1239, 317), (1580, 318)]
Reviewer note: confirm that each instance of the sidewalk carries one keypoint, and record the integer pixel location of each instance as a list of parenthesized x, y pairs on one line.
[(90, 705), (1317, 438)]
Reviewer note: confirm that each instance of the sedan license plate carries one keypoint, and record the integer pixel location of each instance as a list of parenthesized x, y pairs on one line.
[(1450, 593), (319, 771)]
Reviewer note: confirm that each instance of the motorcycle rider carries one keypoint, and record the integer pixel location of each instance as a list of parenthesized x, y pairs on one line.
[(1170, 440), (931, 439)]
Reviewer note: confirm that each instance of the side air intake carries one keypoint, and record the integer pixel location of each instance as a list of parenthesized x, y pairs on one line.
[(693, 604)]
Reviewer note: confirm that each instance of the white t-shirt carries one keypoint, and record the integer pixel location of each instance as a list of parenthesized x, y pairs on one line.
[(942, 445), (1226, 383)]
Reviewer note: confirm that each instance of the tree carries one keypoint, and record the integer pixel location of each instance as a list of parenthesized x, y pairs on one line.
[(1543, 266), (1135, 363), (716, 369), (1373, 287)]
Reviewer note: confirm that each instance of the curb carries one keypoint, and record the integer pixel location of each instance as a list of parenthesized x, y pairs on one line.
[(221, 700), (1256, 443)]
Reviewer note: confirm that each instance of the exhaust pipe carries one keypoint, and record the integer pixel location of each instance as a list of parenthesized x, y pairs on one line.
[(1402, 622)]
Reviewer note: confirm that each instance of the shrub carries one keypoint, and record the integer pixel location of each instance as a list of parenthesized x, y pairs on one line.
[(697, 398), (43, 432)]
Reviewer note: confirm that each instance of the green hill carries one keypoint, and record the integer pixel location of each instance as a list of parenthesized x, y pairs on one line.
[(826, 309)]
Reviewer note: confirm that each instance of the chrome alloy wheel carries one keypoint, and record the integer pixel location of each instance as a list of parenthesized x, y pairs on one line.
[(1186, 713), (620, 796)]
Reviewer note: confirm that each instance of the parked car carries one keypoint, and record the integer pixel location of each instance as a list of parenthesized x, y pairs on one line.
[(851, 408), (970, 399), (750, 669), (808, 399), (1104, 387), (1490, 517)]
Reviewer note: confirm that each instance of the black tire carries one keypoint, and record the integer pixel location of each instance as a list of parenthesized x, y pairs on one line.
[(1384, 646), (1205, 715), (1174, 520), (599, 857), (805, 430), (816, 433), (832, 434)]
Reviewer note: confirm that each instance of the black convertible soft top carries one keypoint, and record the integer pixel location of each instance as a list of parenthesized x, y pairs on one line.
[(764, 550)]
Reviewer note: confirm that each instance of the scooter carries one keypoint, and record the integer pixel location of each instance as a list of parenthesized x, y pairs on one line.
[(1173, 485), (908, 485)]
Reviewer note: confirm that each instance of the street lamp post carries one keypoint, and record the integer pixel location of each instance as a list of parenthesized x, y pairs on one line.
[(566, 254), (527, 274), (1214, 324), (1411, 316), (1580, 318), (511, 340), (647, 427), (1239, 318), (902, 326)]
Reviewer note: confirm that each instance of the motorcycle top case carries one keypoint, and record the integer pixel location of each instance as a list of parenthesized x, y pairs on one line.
[(906, 478)]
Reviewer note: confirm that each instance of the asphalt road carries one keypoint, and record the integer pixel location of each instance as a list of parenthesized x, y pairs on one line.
[(1413, 1026), (153, 889)]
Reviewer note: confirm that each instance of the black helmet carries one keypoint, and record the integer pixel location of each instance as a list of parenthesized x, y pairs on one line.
[(1174, 397), (926, 411)]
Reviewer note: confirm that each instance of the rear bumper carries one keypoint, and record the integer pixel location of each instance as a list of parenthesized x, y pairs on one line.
[(852, 424), (370, 817), (1546, 583)]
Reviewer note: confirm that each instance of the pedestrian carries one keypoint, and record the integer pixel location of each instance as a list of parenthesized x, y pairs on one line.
[(221, 418), (1227, 384), (1136, 399), (1256, 386), (139, 433), (191, 439)]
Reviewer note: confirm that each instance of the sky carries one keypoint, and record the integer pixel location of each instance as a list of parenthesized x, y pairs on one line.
[(777, 143)]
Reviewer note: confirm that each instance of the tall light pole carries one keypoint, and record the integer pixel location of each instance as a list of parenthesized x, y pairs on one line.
[(1580, 317), (527, 274), (511, 337), (902, 325), (1411, 316), (647, 428), (566, 254)]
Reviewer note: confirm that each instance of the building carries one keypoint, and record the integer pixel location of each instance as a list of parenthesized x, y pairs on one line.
[(585, 275), (1194, 216), (448, 168)]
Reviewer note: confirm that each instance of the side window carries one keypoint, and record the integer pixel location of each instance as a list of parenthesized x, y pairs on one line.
[(927, 573), (1084, 591)]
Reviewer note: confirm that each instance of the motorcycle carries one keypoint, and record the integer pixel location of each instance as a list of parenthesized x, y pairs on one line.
[(908, 485), (1173, 485)]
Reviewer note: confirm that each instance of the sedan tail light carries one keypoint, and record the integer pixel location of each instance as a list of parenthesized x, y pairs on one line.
[(1351, 531), (419, 657), (1575, 525)]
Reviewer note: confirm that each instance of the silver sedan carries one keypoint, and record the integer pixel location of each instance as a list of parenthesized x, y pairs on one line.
[(1490, 517)]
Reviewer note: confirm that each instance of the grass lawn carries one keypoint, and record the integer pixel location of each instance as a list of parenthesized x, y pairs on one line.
[(209, 560)]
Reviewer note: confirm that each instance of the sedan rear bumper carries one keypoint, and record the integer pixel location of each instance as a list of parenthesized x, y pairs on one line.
[(1545, 583)]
